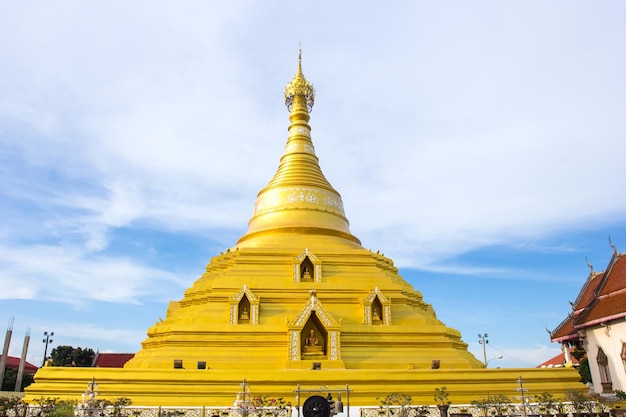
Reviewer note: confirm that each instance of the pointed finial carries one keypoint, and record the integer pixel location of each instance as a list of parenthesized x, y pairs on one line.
[(591, 271), (613, 246), (299, 86)]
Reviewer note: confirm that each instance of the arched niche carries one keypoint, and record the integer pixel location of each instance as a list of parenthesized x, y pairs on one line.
[(307, 267), (314, 316), (313, 339), (242, 301), (377, 309), (243, 310)]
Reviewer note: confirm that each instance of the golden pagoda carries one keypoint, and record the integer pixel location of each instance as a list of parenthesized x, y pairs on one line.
[(298, 301)]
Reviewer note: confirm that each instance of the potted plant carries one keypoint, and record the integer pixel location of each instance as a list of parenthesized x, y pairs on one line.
[(583, 403), (395, 402), (270, 407), (618, 408), (499, 402), (605, 404), (546, 403), (441, 398), (422, 410), (483, 405), (560, 406)]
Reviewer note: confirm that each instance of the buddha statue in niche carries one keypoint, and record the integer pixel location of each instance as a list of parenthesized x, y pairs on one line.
[(312, 344), (306, 274), (376, 318)]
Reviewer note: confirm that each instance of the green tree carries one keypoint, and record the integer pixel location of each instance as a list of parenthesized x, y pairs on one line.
[(83, 357), (584, 371), (10, 376), (70, 356), (62, 355)]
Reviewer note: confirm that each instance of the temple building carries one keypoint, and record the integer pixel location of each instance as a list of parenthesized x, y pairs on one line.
[(597, 325), (298, 301)]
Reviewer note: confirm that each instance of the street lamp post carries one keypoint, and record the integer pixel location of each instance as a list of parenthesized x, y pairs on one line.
[(483, 341), (493, 359), (47, 340)]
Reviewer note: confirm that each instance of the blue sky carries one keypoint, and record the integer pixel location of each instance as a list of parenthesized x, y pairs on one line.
[(480, 145)]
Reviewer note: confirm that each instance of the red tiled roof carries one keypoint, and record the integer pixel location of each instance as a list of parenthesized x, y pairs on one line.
[(604, 310), (588, 292), (112, 360), (618, 277), (565, 330), (14, 363), (602, 298), (610, 296), (558, 360)]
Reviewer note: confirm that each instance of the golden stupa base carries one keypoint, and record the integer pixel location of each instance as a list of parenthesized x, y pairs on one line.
[(193, 387)]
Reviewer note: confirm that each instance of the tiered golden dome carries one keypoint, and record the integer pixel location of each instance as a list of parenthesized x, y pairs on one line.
[(298, 199)]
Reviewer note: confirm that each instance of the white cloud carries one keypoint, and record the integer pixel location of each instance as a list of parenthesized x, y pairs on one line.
[(509, 156), (66, 275)]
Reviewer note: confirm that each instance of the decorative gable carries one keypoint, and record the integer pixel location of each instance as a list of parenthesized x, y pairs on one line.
[(377, 300), (302, 262), (314, 307), (236, 304)]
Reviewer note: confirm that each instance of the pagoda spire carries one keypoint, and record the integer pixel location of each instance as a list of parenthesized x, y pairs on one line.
[(299, 199), (299, 87)]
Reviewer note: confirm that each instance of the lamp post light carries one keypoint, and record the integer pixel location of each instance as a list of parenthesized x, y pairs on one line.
[(483, 341), (47, 340), (493, 359)]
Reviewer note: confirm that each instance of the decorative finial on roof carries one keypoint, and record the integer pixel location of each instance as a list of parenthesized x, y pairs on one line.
[(299, 86), (613, 246), (591, 271)]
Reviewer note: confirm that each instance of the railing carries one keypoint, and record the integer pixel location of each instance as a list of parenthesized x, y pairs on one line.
[(35, 411), (512, 410)]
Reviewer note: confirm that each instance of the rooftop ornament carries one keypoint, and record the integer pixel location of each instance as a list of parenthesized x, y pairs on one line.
[(89, 406), (299, 86)]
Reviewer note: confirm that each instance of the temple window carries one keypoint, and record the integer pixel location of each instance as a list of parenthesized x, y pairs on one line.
[(605, 374)]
